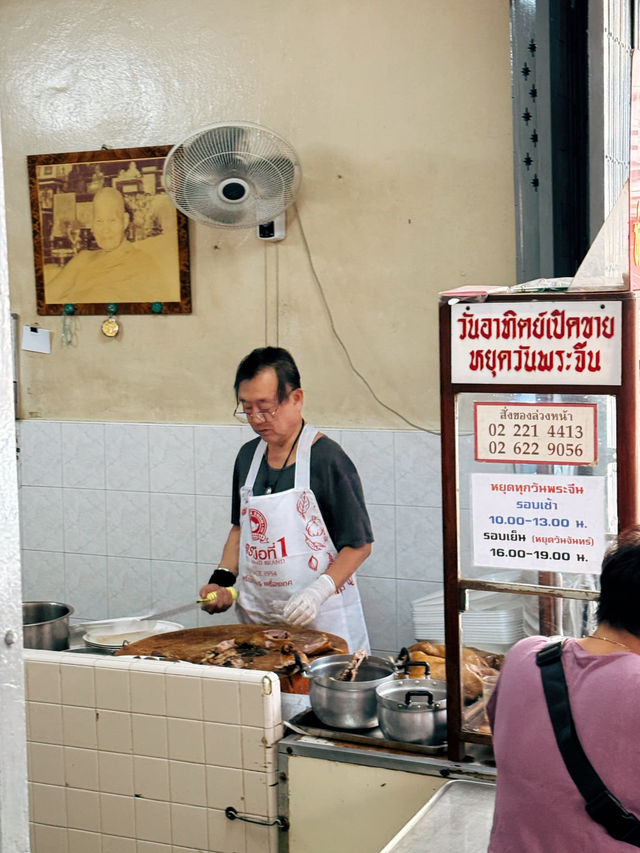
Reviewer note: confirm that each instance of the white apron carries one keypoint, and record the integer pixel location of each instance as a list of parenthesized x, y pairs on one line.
[(285, 546)]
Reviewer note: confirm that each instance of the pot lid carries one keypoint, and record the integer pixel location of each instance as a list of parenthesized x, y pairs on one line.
[(413, 694)]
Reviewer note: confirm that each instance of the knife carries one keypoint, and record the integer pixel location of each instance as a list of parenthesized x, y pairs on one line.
[(166, 614), (183, 608)]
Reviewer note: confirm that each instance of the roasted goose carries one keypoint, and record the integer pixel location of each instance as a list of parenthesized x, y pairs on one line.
[(475, 664), (469, 655), (286, 657), (307, 642), (283, 650)]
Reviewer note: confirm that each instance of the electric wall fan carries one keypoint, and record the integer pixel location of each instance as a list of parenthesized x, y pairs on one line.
[(233, 175)]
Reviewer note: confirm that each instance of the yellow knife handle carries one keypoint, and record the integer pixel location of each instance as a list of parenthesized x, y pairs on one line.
[(211, 597)]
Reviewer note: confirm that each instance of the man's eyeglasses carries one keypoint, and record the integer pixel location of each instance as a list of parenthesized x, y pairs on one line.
[(259, 415)]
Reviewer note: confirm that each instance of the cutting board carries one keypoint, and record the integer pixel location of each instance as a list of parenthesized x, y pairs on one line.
[(192, 644)]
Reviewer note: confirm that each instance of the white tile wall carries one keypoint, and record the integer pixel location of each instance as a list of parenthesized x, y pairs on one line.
[(83, 455), (127, 457), (171, 459), (129, 756), (118, 519)]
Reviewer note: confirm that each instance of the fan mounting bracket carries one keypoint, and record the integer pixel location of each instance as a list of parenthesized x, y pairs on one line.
[(275, 230)]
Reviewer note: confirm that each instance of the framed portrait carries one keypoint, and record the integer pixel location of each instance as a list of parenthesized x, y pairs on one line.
[(105, 234)]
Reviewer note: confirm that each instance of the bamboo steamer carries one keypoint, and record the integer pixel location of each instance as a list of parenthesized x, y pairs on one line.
[(192, 644)]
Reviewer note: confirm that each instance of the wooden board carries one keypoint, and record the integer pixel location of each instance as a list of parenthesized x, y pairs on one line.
[(193, 644)]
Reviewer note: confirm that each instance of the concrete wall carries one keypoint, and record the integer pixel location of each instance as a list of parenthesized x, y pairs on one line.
[(401, 115)]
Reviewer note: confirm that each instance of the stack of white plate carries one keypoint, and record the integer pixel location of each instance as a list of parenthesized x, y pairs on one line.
[(112, 634), (493, 621)]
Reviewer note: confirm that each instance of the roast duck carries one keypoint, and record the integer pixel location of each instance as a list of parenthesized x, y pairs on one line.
[(285, 650), (475, 663)]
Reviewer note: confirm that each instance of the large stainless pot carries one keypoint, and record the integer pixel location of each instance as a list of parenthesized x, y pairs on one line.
[(413, 710), (45, 625), (347, 704)]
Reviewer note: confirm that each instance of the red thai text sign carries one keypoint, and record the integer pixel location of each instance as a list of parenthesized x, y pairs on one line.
[(570, 343)]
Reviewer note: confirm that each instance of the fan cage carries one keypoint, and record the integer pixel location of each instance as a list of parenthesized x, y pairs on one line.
[(261, 159)]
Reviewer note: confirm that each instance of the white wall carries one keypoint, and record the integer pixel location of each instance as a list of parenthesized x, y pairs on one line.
[(13, 789), (401, 115)]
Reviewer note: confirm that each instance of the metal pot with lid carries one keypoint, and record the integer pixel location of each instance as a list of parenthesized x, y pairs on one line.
[(351, 704), (347, 704), (413, 710)]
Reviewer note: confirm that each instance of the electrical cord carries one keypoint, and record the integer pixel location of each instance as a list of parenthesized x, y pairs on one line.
[(336, 334)]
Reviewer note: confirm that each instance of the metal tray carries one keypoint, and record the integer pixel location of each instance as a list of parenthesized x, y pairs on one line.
[(307, 723), (438, 820)]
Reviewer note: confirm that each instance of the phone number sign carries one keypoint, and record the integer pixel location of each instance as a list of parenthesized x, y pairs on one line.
[(536, 433)]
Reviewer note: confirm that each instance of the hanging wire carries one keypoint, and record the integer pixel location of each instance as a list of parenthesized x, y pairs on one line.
[(336, 334), (68, 336)]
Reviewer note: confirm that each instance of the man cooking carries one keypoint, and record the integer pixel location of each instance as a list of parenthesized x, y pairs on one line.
[(300, 528)]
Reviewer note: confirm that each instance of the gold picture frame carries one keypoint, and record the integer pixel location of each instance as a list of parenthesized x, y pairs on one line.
[(106, 237)]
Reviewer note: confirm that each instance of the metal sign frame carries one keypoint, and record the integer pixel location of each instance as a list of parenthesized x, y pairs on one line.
[(455, 586)]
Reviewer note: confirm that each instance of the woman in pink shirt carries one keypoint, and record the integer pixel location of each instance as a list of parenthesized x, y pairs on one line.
[(538, 806)]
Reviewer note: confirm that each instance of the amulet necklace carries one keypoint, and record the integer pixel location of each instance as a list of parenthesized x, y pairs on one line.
[(271, 487)]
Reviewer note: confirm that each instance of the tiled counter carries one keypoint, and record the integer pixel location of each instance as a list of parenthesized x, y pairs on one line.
[(143, 756)]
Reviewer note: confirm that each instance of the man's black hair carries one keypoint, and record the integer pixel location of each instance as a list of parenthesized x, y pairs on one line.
[(278, 358), (619, 603)]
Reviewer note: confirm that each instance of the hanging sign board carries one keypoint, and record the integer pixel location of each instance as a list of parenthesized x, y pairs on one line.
[(534, 343), (536, 433), (548, 523)]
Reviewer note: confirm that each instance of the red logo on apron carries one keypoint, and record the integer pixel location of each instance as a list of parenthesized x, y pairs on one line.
[(315, 534), (303, 505), (258, 525)]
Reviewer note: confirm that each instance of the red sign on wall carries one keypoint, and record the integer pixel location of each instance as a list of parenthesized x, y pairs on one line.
[(533, 343)]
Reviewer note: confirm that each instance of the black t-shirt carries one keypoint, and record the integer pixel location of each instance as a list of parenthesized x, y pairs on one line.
[(334, 482)]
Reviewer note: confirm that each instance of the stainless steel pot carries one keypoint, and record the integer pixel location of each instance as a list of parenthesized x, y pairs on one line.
[(347, 704), (413, 710), (45, 625)]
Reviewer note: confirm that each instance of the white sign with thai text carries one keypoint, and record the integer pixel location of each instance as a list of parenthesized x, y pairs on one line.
[(549, 523), (527, 343)]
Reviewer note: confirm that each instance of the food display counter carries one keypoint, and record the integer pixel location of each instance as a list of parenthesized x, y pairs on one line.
[(125, 750), (343, 796)]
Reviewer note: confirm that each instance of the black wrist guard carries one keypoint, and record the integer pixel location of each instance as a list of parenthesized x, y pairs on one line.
[(223, 577)]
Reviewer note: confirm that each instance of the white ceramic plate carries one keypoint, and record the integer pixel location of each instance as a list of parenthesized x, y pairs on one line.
[(111, 635)]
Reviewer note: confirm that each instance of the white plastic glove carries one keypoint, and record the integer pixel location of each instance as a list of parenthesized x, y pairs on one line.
[(302, 608)]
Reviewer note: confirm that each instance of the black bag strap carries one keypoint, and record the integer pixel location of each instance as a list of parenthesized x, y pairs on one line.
[(600, 803)]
